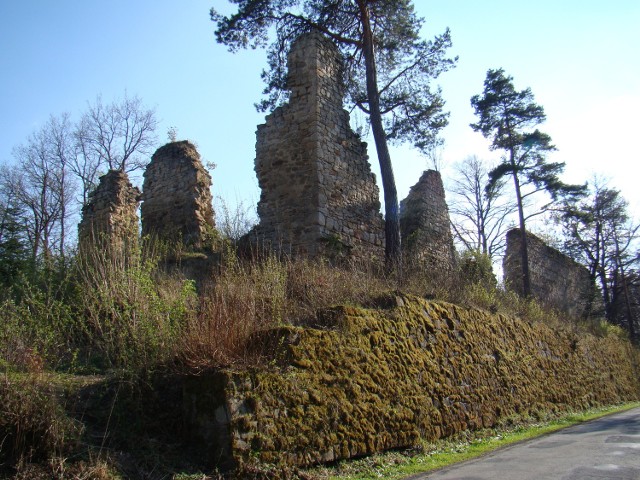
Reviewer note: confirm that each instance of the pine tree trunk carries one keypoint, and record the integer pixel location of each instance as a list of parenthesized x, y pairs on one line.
[(524, 249), (393, 253)]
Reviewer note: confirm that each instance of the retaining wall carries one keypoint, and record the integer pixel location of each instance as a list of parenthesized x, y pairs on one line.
[(373, 380)]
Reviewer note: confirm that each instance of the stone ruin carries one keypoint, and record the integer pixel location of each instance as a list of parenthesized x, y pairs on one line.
[(319, 197), (110, 217), (556, 280), (176, 207), (176, 196), (626, 305), (425, 225)]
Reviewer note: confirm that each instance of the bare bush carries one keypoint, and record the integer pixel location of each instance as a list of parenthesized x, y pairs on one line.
[(133, 311), (33, 423)]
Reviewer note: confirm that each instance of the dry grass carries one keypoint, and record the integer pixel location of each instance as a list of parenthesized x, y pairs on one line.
[(138, 318), (251, 295), (133, 312), (33, 422)]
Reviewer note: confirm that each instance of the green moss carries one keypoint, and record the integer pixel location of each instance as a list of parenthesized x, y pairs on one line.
[(417, 371)]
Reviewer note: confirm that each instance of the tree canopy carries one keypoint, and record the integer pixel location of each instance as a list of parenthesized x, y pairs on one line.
[(600, 234), (508, 117), (387, 74), (479, 215)]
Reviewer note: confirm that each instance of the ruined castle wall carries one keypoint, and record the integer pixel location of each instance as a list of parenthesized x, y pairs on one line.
[(110, 217), (425, 225), (556, 280), (626, 305), (319, 196), (176, 196)]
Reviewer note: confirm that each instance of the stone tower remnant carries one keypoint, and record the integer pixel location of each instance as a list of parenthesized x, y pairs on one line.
[(626, 305), (110, 217), (319, 197), (556, 280), (176, 196), (425, 225)]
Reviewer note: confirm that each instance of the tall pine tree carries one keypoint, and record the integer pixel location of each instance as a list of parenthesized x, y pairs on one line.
[(507, 116), (387, 75)]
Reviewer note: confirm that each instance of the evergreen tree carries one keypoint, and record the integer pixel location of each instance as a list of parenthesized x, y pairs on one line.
[(507, 116), (387, 74), (14, 253)]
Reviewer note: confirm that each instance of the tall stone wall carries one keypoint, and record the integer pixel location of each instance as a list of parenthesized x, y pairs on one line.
[(425, 225), (319, 196), (556, 280), (176, 196), (626, 306), (375, 380), (110, 217)]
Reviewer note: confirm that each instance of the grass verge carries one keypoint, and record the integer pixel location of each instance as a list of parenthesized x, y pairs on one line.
[(463, 447)]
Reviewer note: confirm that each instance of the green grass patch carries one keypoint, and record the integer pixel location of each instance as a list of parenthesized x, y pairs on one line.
[(463, 447)]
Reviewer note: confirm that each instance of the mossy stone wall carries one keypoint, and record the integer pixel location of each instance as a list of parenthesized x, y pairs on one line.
[(376, 379)]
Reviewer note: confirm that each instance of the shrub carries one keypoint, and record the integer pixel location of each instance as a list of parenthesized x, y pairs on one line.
[(33, 423), (475, 268), (133, 312), (39, 331), (249, 296), (602, 328)]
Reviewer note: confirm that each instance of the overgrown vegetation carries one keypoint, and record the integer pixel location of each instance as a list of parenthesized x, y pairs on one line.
[(128, 318)]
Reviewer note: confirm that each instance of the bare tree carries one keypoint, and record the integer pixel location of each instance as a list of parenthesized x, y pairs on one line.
[(117, 136), (600, 233), (42, 185), (86, 165), (480, 215), (62, 155), (433, 153)]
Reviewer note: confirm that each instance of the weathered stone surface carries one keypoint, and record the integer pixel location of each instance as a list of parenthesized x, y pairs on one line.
[(176, 196), (110, 218), (626, 307), (381, 379), (556, 280), (425, 225), (319, 197)]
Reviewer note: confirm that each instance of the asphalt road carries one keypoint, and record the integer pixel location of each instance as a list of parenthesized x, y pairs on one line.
[(608, 448)]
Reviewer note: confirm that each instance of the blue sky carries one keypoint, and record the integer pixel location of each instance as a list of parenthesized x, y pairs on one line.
[(580, 58)]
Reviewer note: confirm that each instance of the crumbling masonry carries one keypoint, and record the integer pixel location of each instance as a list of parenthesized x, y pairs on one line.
[(110, 217), (176, 196), (556, 280), (425, 225), (319, 197)]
